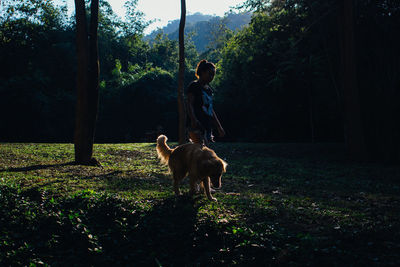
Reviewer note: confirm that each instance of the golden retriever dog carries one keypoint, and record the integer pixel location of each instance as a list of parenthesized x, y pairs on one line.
[(199, 162)]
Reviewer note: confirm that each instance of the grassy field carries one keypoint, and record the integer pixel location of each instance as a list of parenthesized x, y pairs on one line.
[(280, 204)]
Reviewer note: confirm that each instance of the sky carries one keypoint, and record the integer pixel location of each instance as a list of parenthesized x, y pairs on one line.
[(166, 10)]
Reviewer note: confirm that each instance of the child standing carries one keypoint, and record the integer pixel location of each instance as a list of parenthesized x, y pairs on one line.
[(200, 105)]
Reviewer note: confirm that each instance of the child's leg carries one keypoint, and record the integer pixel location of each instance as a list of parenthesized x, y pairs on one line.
[(196, 137)]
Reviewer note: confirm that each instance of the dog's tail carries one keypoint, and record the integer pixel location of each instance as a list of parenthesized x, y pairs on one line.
[(163, 150)]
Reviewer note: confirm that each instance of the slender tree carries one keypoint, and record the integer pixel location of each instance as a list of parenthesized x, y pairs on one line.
[(181, 104), (351, 103), (87, 82)]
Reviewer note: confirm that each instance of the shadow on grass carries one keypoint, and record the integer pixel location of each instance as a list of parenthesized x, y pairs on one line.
[(134, 182), (38, 167), (96, 229), (165, 234), (309, 236)]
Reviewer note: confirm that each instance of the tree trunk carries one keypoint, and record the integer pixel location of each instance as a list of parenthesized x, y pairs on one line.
[(87, 83), (354, 134), (181, 105), (93, 72)]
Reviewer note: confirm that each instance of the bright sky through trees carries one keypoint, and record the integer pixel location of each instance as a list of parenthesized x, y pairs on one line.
[(166, 10)]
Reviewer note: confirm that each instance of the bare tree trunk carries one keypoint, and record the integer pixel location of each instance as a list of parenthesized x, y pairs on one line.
[(354, 134), (87, 83), (181, 104), (93, 73), (81, 149)]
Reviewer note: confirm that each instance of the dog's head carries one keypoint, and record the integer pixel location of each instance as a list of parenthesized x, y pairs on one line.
[(215, 168)]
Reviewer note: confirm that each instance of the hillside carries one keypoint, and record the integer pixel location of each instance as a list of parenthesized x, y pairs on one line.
[(201, 27)]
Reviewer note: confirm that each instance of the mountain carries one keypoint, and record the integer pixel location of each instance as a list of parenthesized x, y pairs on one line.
[(202, 27)]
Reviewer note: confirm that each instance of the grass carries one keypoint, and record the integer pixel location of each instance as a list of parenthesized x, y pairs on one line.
[(280, 204)]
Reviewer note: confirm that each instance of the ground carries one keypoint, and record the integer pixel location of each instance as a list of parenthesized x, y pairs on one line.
[(280, 204)]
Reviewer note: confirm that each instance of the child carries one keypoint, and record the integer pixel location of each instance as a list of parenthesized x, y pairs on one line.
[(200, 107)]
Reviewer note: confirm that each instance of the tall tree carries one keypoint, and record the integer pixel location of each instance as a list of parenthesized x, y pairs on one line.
[(87, 82), (351, 102), (181, 105)]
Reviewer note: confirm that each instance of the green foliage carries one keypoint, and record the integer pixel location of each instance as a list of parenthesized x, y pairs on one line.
[(204, 30), (144, 97), (36, 46), (135, 22), (32, 12), (289, 58), (271, 71), (280, 204), (164, 53)]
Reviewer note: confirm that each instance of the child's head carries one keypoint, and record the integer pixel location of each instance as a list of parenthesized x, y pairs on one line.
[(205, 70)]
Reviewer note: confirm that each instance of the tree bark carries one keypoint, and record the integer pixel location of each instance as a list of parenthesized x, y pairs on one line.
[(87, 83), (181, 104), (355, 142), (93, 73)]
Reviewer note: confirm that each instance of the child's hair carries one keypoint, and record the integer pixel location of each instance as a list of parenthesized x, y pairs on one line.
[(202, 66)]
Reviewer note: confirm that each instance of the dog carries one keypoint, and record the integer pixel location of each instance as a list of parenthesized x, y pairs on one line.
[(199, 162)]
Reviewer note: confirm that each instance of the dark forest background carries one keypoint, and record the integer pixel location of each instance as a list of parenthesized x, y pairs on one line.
[(278, 77)]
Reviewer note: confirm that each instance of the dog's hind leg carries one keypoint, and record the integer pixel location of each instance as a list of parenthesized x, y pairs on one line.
[(177, 176)]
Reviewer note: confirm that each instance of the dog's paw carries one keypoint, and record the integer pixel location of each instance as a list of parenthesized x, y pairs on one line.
[(214, 199)]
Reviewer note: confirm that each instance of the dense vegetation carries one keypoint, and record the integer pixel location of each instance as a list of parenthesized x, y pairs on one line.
[(280, 204), (277, 79)]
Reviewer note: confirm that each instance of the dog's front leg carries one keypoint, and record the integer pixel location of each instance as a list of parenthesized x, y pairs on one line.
[(208, 189)]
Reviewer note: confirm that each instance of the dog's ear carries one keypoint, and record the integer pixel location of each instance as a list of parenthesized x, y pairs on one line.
[(214, 163), (224, 165)]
